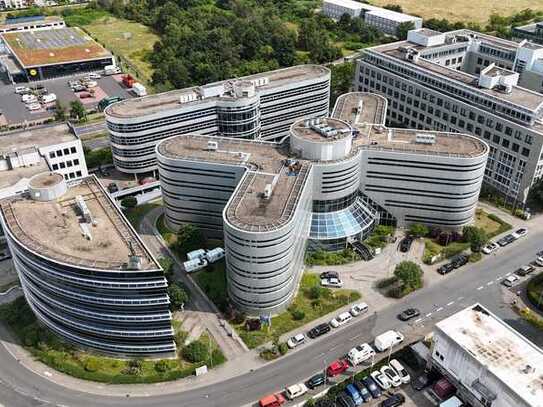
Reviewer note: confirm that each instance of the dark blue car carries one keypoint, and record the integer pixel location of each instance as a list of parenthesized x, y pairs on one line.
[(353, 393), (364, 393), (372, 387)]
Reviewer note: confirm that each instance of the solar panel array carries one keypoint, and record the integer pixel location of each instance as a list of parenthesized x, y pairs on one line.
[(51, 39)]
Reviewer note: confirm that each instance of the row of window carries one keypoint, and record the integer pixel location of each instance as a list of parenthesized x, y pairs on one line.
[(62, 152), (61, 165)]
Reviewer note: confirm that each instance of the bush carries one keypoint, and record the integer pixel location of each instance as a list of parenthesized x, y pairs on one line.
[(178, 296), (418, 230), (129, 202), (134, 367), (325, 258), (283, 348), (91, 365), (195, 352), (475, 236), (475, 257), (315, 292), (239, 318), (297, 314), (386, 282), (409, 275), (189, 238), (162, 366)]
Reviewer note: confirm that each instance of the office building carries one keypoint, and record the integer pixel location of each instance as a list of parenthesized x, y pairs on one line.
[(466, 82), (532, 32), (386, 21), (13, 4), (488, 362), (84, 271), (261, 106), (24, 154), (36, 23), (325, 186)]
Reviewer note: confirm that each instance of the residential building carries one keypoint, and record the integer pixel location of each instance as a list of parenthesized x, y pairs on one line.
[(12, 4), (466, 82), (489, 362), (83, 269), (386, 21), (532, 32), (24, 154), (261, 106), (325, 186)]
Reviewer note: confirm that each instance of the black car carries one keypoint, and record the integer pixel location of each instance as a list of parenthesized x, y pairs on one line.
[(405, 244), (319, 330), (343, 400), (316, 381), (393, 401), (424, 380), (459, 261), (445, 269), (408, 314), (525, 270), (329, 274), (372, 387), (364, 393), (504, 241)]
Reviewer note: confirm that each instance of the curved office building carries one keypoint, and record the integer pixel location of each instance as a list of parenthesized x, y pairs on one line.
[(325, 185), (84, 271), (261, 106)]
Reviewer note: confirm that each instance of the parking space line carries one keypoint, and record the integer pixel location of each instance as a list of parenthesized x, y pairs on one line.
[(508, 274), (490, 283), (450, 303), (498, 279), (418, 320), (439, 309), (460, 298), (428, 315), (480, 288)]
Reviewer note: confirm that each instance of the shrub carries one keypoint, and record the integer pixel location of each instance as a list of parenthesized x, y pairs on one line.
[(418, 230), (129, 202), (385, 282), (315, 292), (239, 318), (434, 233), (134, 367), (475, 257), (409, 275), (189, 238), (195, 352), (178, 296), (283, 348), (162, 366), (91, 365), (444, 239), (297, 314)]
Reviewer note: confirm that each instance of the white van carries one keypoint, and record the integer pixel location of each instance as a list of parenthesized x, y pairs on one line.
[(194, 265), (196, 254), (215, 254), (341, 319), (387, 340), (452, 402), (50, 97), (360, 354), (139, 89)]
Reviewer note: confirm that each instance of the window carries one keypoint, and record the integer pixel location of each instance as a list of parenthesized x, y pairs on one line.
[(62, 165), (76, 161), (72, 150), (78, 173), (55, 167), (496, 139), (505, 143), (525, 152), (59, 153), (66, 151), (52, 154), (515, 147), (529, 139)]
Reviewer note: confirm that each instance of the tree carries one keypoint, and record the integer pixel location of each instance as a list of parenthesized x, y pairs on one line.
[(77, 110), (60, 111), (535, 195), (418, 230), (403, 29), (189, 238), (394, 7), (342, 78), (167, 265), (196, 352), (409, 274), (178, 296), (475, 236), (130, 202)]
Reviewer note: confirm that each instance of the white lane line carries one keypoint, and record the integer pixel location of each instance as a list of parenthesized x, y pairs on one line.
[(508, 274), (357, 336), (490, 283), (498, 279), (418, 320), (450, 303), (460, 298), (428, 315), (480, 288), (439, 309)]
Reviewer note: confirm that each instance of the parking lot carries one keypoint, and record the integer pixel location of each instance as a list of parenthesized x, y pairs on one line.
[(15, 111)]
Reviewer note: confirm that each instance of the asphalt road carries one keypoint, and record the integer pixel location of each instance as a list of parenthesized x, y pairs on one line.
[(478, 283)]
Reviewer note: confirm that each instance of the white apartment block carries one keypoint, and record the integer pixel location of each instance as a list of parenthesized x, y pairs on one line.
[(467, 82), (489, 363), (384, 20), (27, 153), (11, 4), (261, 106)]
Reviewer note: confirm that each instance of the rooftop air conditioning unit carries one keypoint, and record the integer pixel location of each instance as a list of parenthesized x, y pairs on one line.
[(425, 138), (267, 191), (212, 145)]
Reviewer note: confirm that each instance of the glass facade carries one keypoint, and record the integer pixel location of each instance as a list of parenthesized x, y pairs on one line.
[(335, 204), (239, 121)]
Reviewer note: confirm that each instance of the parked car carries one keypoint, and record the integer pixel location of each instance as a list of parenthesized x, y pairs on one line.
[(393, 400), (409, 313), (360, 354), (391, 375), (341, 319), (296, 340), (94, 75), (381, 380), (363, 390), (29, 98), (317, 380), (517, 234), (319, 330), (387, 340), (329, 274), (343, 400), (443, 388), (424, 380), (21, 90), (524, 270), (85, 95), (539, 261), (402, 372), (358, 309), (112, 187), (78, 88), (215, 254), (337, 367), (490, 248), (295, 391), (90, 84), (353, 393), (332, 282), (272, 400), (510, 281), (459, 260), (33, 106), (445, 269), (372, 387), (196, 254), (508, 239), (406, 243)]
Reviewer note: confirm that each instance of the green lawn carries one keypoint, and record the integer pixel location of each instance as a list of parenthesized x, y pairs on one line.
[(212, 281), (535, 291), (135, 215), (490, 223), (329, 301), (51, 350)]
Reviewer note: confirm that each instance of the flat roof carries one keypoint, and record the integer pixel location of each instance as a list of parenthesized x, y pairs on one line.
[(165, 101), (355, 5), (513, 359), (35, 137), (53, 229), (374, 135), (393, 15), (54, 46), (22, 21)]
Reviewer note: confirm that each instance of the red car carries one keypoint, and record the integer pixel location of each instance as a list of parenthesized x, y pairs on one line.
[(273, 400), (337, 367)]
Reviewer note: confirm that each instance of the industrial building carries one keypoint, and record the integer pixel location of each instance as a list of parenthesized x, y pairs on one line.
[(532, 32), (37, 23), (261, 106), (26, 153), (83, 269), (488, 362), (326, 185), (48, 53), (386, 21), (463, 81)]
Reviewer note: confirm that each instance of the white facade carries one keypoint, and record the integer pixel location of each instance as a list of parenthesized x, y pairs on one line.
[(489, 362), (336, 8), (10, 4), (46, 23)]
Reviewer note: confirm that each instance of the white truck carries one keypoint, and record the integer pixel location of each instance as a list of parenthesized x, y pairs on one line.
[(139, 90), (111, 70), (191, 266), (387, 340), (196, 254), (48, 98), (215, 254), (360, 354)]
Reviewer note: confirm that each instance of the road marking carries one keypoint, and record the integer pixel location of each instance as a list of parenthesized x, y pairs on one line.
[(460, 298), (439, 309), (490, 283), (508, 274), (357, 336), (450, 303), (498, 279), (428, 315), (333, 348), (418, 320), (480, 288)]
